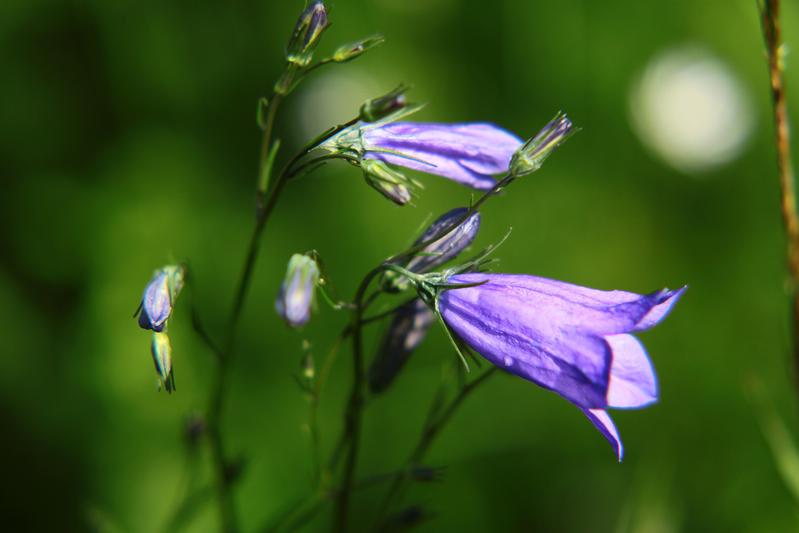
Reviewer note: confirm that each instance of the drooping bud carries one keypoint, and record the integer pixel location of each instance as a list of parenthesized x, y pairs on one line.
[(450, 245), (162, 357), (391, 183), (534, 152), (442, 250), (297, 295), (350, 51), (309, 28), (159, 297), (382, 106), (408, 328)]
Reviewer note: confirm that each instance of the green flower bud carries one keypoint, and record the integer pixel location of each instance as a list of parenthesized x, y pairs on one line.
[(309, 28), (162, 357), (350, 51), (534, 152), (391, 183), (382, 106)]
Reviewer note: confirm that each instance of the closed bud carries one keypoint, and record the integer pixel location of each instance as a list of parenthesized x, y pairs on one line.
[(442, 250), (534, 152), (162, 357), (382, 106), (309, 28), (391, 183), (159, 297), (297, 295), (307, 367), (350, 51), (407, 330)]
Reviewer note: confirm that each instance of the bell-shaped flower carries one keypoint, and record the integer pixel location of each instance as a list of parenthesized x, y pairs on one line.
[(470, 154), (297, 296), (159, 297), (572, 340)]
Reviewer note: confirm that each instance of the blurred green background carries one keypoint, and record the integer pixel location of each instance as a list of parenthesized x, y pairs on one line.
[(129, 141)]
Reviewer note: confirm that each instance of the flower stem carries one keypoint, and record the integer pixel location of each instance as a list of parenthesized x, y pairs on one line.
[(431, 430), (770, 15)]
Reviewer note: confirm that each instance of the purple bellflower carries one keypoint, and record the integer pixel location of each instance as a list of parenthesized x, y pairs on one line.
[(297, 295), (572, 340), (470, 154), (159, 297)]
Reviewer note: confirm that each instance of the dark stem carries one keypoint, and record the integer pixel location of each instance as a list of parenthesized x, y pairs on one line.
[(352, 417), (770, 13), (430, 431)]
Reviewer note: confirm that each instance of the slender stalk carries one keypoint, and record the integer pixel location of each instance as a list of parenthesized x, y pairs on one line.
[(431, 430), (772, 34), (352, 417)]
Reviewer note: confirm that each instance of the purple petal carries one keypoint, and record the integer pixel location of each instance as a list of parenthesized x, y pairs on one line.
[(156, 303), (597, 311), (632, 379), (605, 425), (467, 153), (563, 337)]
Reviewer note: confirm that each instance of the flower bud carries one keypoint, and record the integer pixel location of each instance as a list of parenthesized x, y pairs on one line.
[(407, 330), (350, 51), (382, 106), (162, 357), (534, 152), (309, 28), (450, 245), (439, 252), (159, 297), (298, 291), (391, 183)]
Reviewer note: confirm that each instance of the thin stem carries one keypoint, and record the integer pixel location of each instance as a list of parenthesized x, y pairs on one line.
[(770, 13), (352, 418), (430, 431)]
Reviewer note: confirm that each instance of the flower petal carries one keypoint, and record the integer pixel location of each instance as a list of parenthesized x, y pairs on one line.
[(467, 153), (581, 308), (605, 425), (632, 379), (519, 337)]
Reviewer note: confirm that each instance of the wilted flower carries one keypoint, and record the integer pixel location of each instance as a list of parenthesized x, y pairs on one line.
[(159, 297), (532, 155), (310, 25), (572, 340), (407, 330), (298, 292), (350, 51), (162, 357)]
